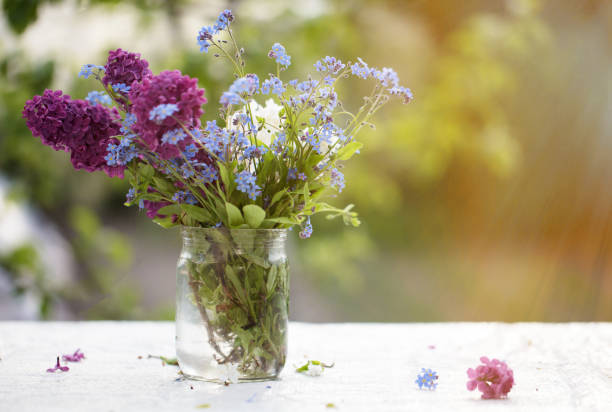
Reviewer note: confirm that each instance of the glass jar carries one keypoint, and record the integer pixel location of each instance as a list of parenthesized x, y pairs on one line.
[(232, 304)]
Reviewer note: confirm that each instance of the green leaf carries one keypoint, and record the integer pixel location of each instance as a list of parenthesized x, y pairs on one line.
[(277, 196), (197, 213), (235, 282), (165, 222), (271, 279), (163, 185), (146, 171), (346, 152), (225, 176), (253, 215), (234, 217), (283, 220), (169, 210)]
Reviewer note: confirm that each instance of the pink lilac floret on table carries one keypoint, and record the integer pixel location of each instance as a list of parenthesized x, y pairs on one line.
[(77, 356), (493, 378), (58, 367)]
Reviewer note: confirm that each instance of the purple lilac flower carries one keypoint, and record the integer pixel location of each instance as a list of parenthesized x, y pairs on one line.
[(77, 356), (90, 70), (49, 117), (169, 87), (75, 126), (403, 92), (123, 67), (162, 111), (273, 84), (306, 231), (58, 367), (120, 88), (302, 176), (246, 184), (279, 54), (337, 179), (95, 97)]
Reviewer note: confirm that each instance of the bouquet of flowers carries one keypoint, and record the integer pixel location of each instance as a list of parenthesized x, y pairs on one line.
[(275, 151)]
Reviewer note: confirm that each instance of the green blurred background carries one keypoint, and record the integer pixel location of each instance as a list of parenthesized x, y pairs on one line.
[(486, 198)]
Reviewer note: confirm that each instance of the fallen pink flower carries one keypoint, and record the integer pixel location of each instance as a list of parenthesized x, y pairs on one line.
[(493, 378), (58, 366), (77, 356)]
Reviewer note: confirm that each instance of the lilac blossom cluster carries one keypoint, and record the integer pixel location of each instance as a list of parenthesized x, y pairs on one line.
[(493, 378), (74, 126)]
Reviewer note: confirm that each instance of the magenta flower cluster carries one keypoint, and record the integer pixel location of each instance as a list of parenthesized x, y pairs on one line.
[(74, 126), (168, 87), (493, 378), (125, 68)]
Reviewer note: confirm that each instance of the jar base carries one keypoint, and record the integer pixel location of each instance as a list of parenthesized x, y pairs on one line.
[(221, 382)]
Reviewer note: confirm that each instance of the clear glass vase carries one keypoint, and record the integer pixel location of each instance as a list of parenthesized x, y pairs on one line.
[(232, 303)]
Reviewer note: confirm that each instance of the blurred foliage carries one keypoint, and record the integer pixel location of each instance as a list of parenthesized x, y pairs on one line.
[(485, 199), (27, 274)]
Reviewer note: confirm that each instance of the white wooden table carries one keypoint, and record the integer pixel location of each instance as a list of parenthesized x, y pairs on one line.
[(557, 367)]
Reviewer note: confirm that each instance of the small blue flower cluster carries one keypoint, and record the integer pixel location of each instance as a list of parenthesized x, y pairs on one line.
[(206, 33), (427, 380), (120, 154), (330, 64), (337, 179), (131, 195), (292, 173), (127, 123), (184, 197), (216, 139), (90, 70), (253, 151), (246, 184), (120, 88), (306, 231), (208, 174), (273, 84), (245, 86), (279, 54), (387, 77), (95, 97), (160, 112), (173, 136)]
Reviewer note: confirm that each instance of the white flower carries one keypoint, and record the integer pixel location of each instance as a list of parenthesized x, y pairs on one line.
[(314, 370), (269, 113)]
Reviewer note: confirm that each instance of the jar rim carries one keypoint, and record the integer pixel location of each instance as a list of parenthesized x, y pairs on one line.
[(207, 229)]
